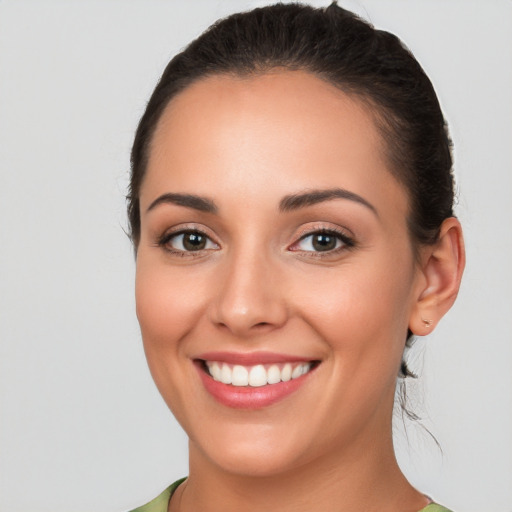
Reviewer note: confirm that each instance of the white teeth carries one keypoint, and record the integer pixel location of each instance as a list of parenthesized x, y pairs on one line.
[(215, 371), (273, 375), (257, 375), (300, 370), (297, 371), (226, 375), (240, 376), (286, 373)]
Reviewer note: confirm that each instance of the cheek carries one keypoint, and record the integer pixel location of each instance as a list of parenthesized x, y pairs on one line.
[(361, 311), (169, 305)]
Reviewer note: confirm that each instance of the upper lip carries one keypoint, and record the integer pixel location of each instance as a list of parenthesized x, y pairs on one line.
[(251, 358)]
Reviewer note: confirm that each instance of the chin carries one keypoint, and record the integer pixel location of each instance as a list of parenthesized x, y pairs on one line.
[(252, 455), (255, 465)]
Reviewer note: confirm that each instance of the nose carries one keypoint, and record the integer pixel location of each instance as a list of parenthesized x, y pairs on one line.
[(250, 299)]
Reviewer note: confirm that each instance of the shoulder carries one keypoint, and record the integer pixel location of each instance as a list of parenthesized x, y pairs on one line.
[(434, 507), (161, 502)]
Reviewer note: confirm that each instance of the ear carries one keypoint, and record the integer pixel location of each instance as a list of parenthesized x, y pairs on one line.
[(442, 265)]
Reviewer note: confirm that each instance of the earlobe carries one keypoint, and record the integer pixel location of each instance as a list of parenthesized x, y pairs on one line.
[(442, 268)]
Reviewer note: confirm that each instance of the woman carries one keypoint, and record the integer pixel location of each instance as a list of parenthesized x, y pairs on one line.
[(291, 212)]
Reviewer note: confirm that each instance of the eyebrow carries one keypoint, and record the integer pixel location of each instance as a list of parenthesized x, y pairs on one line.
[(203, 204), (312, 197), (288, 203)]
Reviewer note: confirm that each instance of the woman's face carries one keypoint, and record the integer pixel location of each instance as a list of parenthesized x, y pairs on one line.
[(274, 241)]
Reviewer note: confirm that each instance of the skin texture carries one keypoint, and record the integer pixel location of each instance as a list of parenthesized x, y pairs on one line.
[(258, 285)]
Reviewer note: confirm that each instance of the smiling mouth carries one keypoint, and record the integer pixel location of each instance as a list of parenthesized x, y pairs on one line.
[(256, 375)]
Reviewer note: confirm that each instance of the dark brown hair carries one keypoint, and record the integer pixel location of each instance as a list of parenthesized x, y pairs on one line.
[(349, 53)]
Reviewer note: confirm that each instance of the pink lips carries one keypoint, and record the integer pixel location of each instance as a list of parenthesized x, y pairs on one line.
[(251, 358), (247, 397)]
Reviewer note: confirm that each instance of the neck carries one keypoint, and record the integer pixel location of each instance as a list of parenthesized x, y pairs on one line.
[(359, 479)]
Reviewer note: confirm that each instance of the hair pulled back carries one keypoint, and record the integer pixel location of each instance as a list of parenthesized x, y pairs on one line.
[(347, 52)]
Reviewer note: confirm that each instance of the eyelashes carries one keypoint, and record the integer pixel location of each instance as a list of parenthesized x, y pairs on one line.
[(320, 242), (187, 242)]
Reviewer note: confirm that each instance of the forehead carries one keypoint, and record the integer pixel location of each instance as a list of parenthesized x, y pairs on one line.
[(295, 106), (290, 126)]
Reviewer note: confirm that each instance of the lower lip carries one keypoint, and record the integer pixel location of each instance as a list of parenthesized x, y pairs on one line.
[(247, 397)]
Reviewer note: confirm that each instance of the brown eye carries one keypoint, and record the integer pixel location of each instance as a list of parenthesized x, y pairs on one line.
[(194, 241), (188, 241), (323, 242)]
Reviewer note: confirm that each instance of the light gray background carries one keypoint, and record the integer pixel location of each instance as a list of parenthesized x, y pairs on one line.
[(82, 427)]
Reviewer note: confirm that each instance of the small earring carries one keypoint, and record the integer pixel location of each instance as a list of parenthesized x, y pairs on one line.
[(427, 323)]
